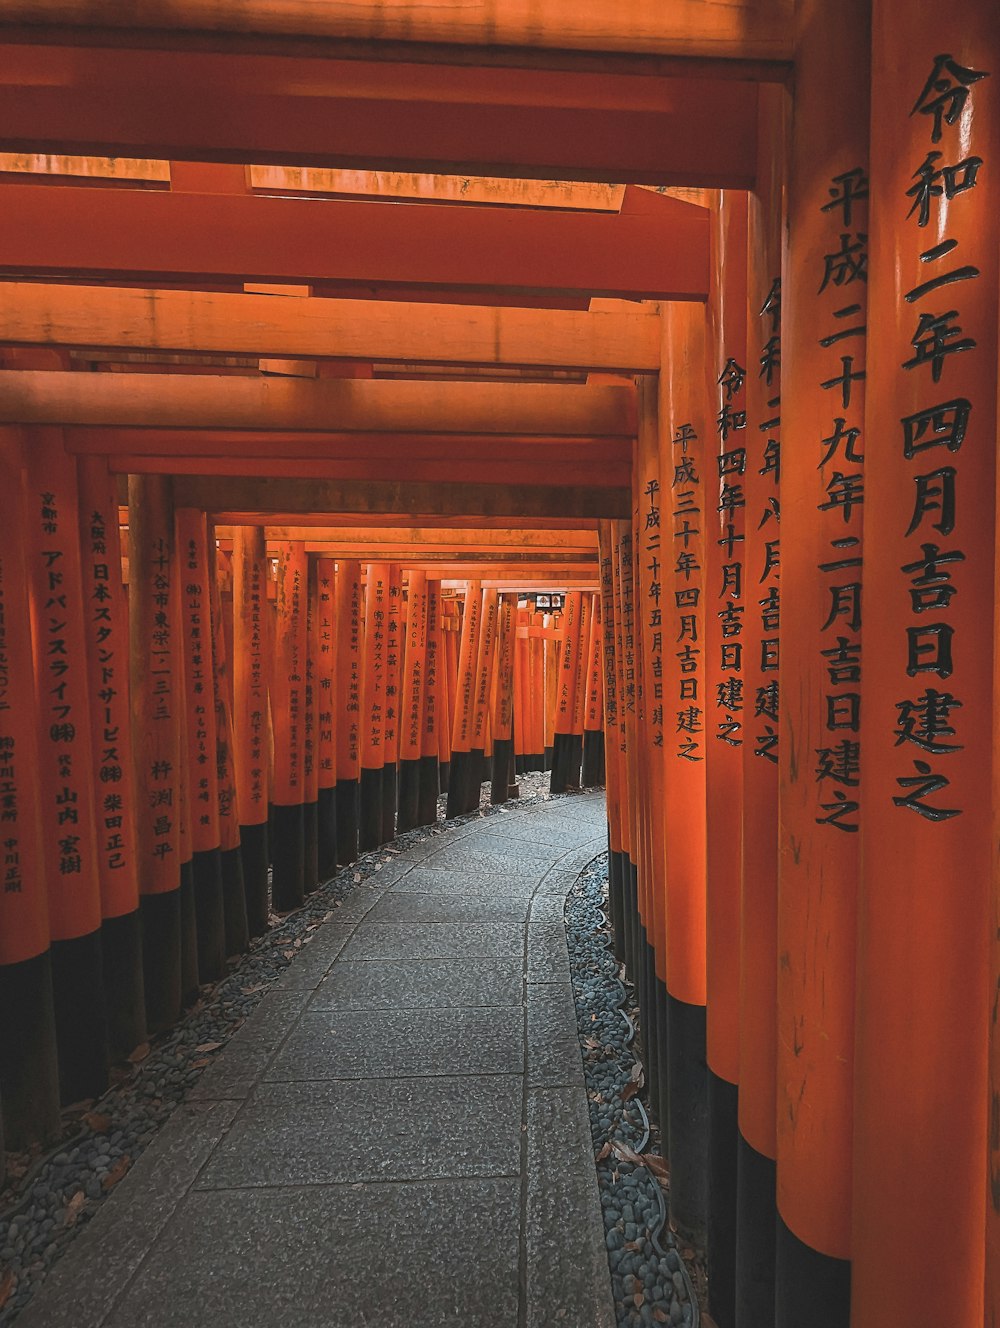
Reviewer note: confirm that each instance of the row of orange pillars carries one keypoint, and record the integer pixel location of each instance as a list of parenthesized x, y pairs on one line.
[(197, 733)]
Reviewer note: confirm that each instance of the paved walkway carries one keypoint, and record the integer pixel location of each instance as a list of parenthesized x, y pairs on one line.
[(397, 1136)]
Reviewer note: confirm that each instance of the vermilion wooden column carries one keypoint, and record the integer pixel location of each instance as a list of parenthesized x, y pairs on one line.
[(106, 635), (685, 458), (373, 705), (550, 671), (575, 757), (203, 784), (288, 679), (190, 979), (310, 743), (450, 627), (537, 690), (326, 684), (412, 700), (482, 689), (569, 646), (463, 702), (609, 665), (250, 681), (348, 707), (65, 761), (393, 673), (503, 703), (234, 903), (823, 340), (757, 1144), (29, 1075), (593, 774), (157, 711), (625, 597), (626, 787), (434, 726), (925, 910), (725, 616)]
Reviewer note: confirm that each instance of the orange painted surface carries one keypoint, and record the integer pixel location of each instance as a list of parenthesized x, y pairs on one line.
[(759, 950), (434, 728), (926, 820), (569, 650), (821, 612), (106, 635), (609, 675), (222, 695), (394, 646), (685, 454), (373, 703), (593, 718), (310, 743), (326, 674), (348, 675), (157, 687), (725, 618), (463, 696), (502, 725), (485, 669), (580, 678), (414, 678), (24, 909), (250, 673), (199, 685), (288, 675), (449, 676), (65, 751), (625, 697)]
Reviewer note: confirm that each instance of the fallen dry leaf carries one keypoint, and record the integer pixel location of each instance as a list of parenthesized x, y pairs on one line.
[(252, 991), (116, 1173), (637, 1300), (605, 1152), (628, 1154), (660, 1317), (200, 1063), (74, 1206), (97, 1121), (658, 1166), (140, 1053), (208, 1046), (7, 1284)]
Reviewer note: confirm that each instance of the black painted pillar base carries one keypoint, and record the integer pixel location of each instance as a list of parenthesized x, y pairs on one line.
[(370, 820), (592, 772), (810, 1287), (723, 1130), (519, 768), (547, 758), (560, 762), (663, 1063), (648, 1016), (234, 901), (687, 1116), (255, 855), (458, 770), (288, 857), (326, 830), (634, 926), (160, 916), (348, 815), (121, 946), (756, 1217), (390, 784), (310, 847), (81, 1016), (210, 915), (29, 1068), (427, 797), (444, 775), (503, 766), (189, 936), (573, 760), (409, 795), (474, 777), (616, 902)]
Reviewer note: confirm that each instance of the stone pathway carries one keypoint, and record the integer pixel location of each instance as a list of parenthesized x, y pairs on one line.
[(397, 1136)]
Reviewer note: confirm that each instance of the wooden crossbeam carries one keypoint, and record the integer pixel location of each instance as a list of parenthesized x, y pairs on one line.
[(184, 401), (104, 318), (430, 539)]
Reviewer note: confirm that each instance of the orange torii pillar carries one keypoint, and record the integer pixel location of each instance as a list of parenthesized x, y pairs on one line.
[(612, 760), (234, 904), (288, 678), (373, 705), (29, 1076), (725, 575), (66, 808), (250, 653), (503, 704), (757, 1144), (568, 650), (624, 948), (185, 839), (822, 409), (348, 707), (535, 759), (413, 690), (326, 736), (648, 548), (106, 632), (550, 656), (580, 696), (463, 699), (434, 725), (157, 712), (929, 718), (203, 784), (482, 691), (451, 625), (310, 754), (625, 604), (393, 673), (520, 685), (593, 774), (686, 453)]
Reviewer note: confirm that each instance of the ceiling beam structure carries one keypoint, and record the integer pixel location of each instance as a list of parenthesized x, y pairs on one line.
[(116, 318), (355, 114), (658, 251)]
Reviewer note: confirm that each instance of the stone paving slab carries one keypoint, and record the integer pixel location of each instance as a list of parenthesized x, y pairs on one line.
[(397, 1136)]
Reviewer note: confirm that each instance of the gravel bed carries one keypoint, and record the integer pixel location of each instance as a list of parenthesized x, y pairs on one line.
[(52, 1196), (650, 1277)]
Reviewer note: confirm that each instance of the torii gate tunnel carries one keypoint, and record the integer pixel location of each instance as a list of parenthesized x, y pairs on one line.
[(396, 396)]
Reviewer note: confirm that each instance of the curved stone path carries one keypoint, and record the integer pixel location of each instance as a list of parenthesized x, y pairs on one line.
[(397, 1136)]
